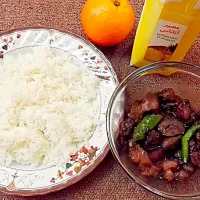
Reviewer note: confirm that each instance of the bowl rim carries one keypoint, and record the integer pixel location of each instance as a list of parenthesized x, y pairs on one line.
[(135, 74)]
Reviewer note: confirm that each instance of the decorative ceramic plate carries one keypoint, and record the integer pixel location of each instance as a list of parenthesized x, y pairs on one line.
[(21, 180)]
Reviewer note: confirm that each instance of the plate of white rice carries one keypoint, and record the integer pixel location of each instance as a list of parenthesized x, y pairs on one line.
[(55, 88)]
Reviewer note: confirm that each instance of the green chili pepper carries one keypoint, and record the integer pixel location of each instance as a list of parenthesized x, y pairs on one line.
[(185, 142), (147, 123)]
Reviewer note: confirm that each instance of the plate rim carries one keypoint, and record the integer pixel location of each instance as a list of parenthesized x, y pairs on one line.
[(106, 149)]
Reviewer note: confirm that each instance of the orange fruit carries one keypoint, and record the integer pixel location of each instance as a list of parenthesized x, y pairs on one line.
[(107, 22)]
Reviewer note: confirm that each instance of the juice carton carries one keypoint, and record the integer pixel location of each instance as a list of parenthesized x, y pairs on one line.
[(166, 31)]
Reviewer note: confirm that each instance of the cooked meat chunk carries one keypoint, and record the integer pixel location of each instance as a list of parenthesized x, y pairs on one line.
[(135, 153), (126, 127), (169, 175), (145, 160), (181, 175), (170, 165), (193, 119), (139, 155), (136, 111), (171, 142), (154, 137), (195, 158), (125, 130), (145, 165), (167, 94), (169, 106), (150, 147), (171, 127), (151, 171), (150, 102), (184, 110), (169, 102), (157, 155)]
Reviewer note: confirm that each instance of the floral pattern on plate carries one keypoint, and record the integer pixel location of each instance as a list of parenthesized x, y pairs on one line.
[(78, 161)]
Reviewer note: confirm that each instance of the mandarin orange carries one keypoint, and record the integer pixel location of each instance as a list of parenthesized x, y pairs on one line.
[(107, 22)]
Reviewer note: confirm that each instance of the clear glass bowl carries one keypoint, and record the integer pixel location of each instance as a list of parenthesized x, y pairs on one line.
[(185, 80)]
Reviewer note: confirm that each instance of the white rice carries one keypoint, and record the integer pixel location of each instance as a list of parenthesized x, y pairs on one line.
[(48, 108)]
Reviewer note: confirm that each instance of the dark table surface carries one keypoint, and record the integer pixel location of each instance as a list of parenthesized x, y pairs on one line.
[(107, 181)]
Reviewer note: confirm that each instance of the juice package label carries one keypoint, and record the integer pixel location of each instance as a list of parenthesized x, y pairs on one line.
[(165, 40), (166, 1), (197, 6), (166, 31)]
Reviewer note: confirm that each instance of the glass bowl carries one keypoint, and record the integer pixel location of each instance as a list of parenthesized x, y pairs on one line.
[(185, 80)]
